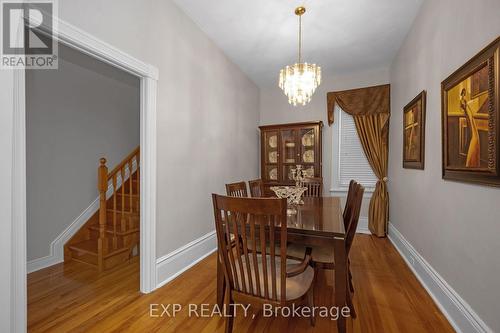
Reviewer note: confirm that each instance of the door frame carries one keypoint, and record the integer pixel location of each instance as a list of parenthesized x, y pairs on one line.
[(77, 39)]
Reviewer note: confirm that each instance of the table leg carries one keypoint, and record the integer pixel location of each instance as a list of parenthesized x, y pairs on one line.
[(340, 280), (221, 284)]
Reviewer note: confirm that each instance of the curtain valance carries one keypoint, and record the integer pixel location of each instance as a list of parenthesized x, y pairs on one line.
[(361, 101)]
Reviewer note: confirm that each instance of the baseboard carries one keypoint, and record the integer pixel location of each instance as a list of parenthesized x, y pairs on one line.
[(177, 262), (458, 312), (363, 226), (56, 249)]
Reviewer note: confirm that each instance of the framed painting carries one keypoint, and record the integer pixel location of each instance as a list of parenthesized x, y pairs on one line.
[(414, 133), (470, 114)]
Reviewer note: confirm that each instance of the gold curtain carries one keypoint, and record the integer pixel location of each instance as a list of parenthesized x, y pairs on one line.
[(373, 131), (370, 108), (370, 100)]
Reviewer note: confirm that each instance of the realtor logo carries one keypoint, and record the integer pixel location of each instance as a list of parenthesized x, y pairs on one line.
[(27, 34)]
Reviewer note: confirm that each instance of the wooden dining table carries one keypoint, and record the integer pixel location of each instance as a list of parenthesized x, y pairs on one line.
[(318, 221)]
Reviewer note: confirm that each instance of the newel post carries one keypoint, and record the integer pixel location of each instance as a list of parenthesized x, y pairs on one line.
[(102, 184)]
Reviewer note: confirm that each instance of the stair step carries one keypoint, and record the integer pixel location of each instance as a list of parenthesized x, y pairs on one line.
[(87, 246), (90, 247), (110, 230)]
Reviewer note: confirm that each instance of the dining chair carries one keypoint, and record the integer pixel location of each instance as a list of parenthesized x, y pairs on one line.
[(322, 257), (238, 189), (256, 187), (349, 203), (347, 218), (314, 187), (267, 277)]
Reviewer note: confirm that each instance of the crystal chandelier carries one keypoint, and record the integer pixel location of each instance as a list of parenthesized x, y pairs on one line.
[(300, 80)]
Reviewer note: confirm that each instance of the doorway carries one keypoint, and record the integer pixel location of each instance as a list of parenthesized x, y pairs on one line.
[(148, 75)]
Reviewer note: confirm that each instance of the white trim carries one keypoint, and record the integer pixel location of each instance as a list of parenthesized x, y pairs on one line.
[(94, 47), (148, 185), (458, 312), (56, 250), (19, 300), (178, 261), (363, 226)]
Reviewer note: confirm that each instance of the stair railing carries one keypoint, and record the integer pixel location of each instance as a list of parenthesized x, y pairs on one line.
[(119, 178)]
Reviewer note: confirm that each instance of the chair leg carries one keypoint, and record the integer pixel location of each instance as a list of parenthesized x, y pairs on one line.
[(221, 284), (350, 304), (229, 313), (310, 303), (310, 295), (351, 287)]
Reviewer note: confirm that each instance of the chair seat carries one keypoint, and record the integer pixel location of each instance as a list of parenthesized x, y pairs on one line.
[(296, 286), (320, 254)]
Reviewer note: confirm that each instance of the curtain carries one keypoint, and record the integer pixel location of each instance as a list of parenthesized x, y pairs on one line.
[(370, 100), (370, 108), (373, 131)]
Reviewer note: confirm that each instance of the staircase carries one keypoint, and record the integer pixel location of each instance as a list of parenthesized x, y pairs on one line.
[(111, 235)]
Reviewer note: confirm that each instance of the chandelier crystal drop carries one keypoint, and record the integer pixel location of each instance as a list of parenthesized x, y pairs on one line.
[(300, 80)]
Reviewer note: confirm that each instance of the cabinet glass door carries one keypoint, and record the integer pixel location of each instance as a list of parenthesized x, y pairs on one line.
[(271, 155), (308, 150), (289, 149)]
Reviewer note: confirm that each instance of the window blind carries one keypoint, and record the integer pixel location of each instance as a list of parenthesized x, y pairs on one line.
[(352, 159)]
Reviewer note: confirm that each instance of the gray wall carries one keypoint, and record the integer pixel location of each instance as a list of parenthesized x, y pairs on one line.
[(455, 226), (274, 109), (74, 115), (207, 119), (207, 109)]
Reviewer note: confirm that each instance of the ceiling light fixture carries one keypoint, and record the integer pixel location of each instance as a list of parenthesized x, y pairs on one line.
[(300, 80)]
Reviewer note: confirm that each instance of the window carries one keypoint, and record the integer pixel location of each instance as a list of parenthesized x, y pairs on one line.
[(352, 162)]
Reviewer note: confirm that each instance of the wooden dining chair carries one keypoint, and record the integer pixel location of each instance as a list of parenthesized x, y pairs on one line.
[(238, 189), (256, 187), (314, 187), (323, 256), (349, 203), (266, 277)]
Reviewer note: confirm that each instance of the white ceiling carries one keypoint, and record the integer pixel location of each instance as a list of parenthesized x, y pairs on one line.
[(341, 36)]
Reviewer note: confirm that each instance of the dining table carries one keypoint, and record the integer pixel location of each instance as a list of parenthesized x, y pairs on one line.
[(317, 222)]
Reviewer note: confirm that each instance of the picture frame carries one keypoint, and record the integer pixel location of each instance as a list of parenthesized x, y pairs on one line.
[(470, 114), (414, 132)]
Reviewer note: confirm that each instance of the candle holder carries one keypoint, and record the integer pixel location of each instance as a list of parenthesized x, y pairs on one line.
[(292, 194)]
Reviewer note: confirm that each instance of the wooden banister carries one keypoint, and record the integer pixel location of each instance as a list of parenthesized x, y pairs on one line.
[(102, 185), (130, 157), (104, 178)]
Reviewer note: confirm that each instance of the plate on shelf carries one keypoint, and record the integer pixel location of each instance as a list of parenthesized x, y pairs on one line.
[(290, 144), (308, 139), (273, 157), (309, 172), (273, 174), (273, 141), (308, 156)]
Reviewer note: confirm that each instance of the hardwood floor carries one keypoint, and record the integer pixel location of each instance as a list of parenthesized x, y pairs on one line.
[(72, 297)]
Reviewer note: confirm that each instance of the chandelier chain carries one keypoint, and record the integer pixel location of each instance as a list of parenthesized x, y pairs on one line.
[(300, 39)]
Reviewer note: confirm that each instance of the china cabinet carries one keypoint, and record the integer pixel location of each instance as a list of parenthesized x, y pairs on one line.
[(285, 146)]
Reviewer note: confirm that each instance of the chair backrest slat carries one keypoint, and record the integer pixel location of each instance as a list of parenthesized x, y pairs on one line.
[(256, 222), (256, 188), (238, 189), (272, 256), (314, 187)]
